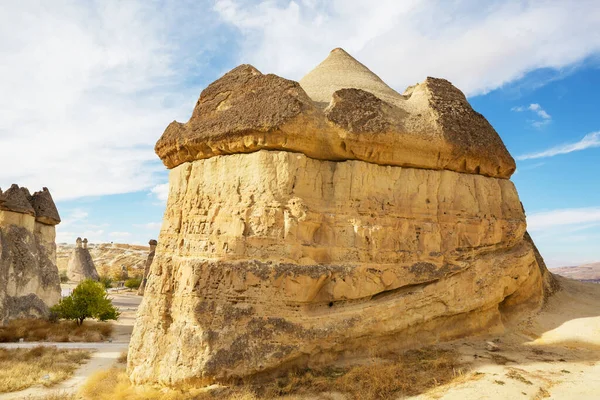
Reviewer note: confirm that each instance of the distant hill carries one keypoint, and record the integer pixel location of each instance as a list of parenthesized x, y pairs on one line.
[(586, 272), (107, 254)]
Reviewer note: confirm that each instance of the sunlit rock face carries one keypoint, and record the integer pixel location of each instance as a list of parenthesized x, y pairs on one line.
[(29, 280), (311, 223)]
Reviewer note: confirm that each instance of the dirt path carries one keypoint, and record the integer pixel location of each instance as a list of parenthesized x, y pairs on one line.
[(104, 354)]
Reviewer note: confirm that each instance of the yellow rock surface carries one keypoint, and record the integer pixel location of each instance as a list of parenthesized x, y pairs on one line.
[(318, 222), (274, 259)]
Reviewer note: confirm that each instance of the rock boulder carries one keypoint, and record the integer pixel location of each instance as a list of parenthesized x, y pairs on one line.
[(308, 224)]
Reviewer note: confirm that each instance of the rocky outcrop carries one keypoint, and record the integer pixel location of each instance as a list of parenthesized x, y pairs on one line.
[(430, 126), (310, 223), (142, 287), (81, 265), (29, 280)]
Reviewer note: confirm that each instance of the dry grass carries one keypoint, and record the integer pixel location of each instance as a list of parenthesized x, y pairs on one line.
[(122, 358), (58, 396), (411, 373), (40, 330), (22, 368)]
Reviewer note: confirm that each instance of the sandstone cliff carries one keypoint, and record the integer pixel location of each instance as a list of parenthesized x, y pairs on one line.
[(81, 265), (310, 223), (29, 281)]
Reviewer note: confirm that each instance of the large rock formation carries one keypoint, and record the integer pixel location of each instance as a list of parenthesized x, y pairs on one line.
[(313, 222), (29, 280), (142, 287), (81, 265)]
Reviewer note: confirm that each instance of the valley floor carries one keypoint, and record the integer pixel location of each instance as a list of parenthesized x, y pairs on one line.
[(555, 354), (104, 356)]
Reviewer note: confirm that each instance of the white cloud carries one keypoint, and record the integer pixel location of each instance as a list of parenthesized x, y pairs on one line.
[(161, 191), (119, 234), (590, 140), (566, 236), (563, 217), (539, 111), (88, 87), (74, 216), (94, 236), (478, 47), (154, 226)]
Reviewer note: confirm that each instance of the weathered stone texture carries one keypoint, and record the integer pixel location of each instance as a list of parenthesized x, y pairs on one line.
[(431, 126), (81, 265), (149, 260), (29, 281), (304, 232)]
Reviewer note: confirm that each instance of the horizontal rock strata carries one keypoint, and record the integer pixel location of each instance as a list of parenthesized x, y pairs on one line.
[(310, 224)]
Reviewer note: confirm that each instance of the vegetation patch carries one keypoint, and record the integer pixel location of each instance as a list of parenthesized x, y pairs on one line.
[(22, 368), (411, 373), (41, 330), (88, 300), (133, 283)]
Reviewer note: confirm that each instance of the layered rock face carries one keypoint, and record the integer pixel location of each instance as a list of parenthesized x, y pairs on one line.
[(29, 280), (142, 287), (81, 265), (313, 223)]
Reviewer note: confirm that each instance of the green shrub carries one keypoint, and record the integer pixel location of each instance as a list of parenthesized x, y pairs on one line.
[(106, 281), (133, 283), (63, 277), (88, 300)]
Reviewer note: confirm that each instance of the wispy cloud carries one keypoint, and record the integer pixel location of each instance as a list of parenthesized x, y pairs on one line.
[(154, 226), (539, 111), (562, 217), (589, 141), (567, 236), (161, 191), (119, 234), (478, 48), (90, 86)]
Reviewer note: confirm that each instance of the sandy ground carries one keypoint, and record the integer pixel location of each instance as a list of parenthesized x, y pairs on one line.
[(554, 355), (105, 354)]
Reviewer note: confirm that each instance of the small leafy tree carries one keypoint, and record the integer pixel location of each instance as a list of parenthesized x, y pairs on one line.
[(133, 283), (88, 300)]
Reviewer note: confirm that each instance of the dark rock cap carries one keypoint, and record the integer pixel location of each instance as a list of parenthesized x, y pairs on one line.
[(45, 209), (339, 111), (15, 200), (152, 242)]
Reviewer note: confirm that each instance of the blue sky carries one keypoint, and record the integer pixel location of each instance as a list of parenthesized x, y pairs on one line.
[(88, 88)]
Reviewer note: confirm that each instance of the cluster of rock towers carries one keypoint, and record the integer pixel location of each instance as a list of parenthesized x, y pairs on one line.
[(311, 222), (29, 280)]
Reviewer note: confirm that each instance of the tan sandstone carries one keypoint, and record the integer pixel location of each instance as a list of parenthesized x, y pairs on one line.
[(29, 280), (299, 233), (152, 243), (81, 265)]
